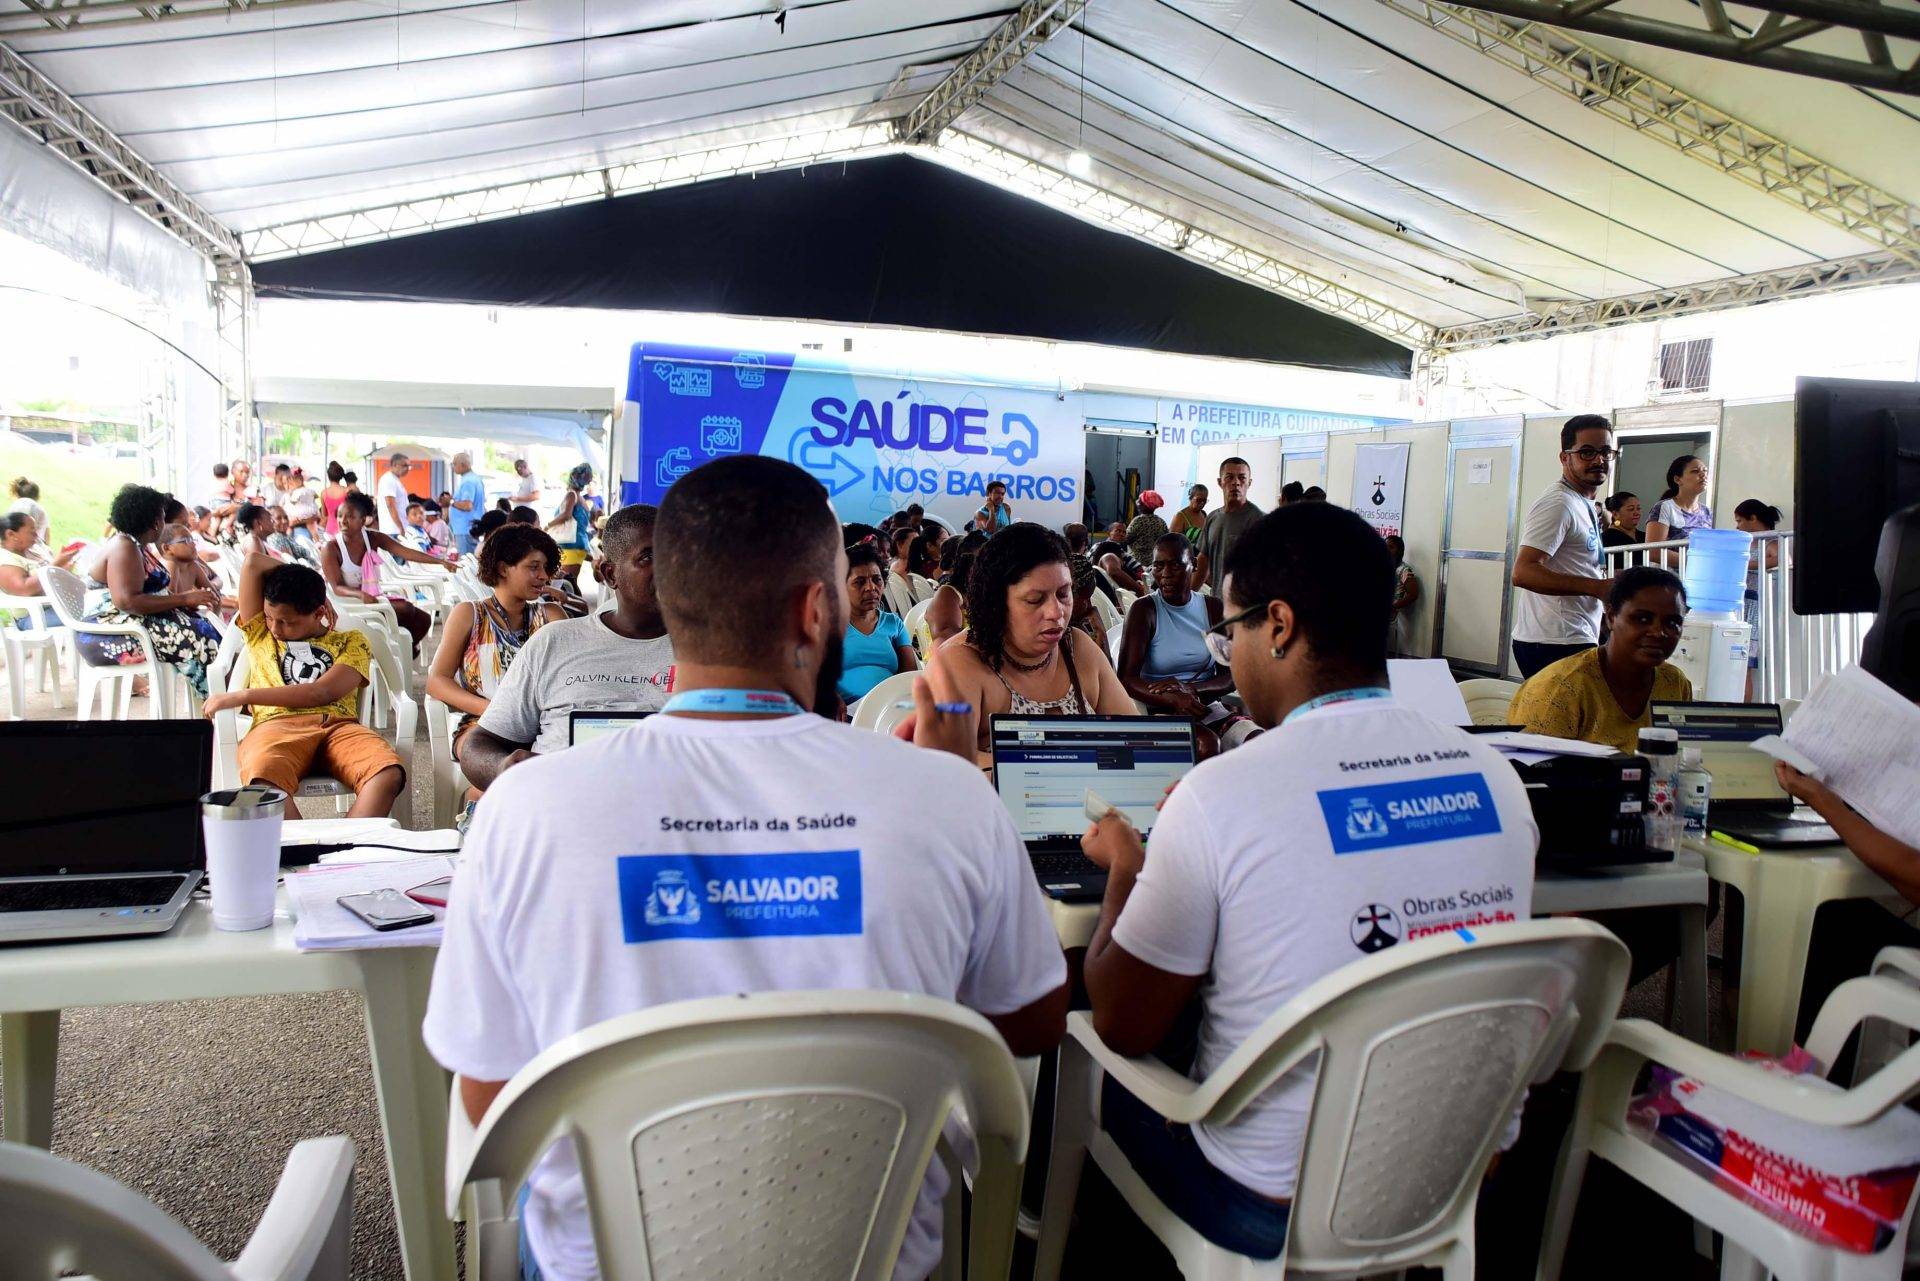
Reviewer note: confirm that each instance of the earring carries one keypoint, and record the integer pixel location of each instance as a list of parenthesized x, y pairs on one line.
[(1278, 651)]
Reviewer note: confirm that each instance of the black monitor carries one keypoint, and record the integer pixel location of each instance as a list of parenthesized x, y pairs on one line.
[(103, 796), (1856, 462)]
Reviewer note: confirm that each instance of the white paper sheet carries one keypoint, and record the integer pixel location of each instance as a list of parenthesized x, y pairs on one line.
[(1863, 741), (322, 925), (1427, 685)]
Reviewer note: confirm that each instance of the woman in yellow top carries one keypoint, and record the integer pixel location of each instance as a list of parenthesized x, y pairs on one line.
[(1606, 694)]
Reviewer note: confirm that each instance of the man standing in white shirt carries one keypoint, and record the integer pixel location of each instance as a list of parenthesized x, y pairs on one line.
[(394, 497), (1351, 824), (526, 486), (565, 916), (1561, 574)]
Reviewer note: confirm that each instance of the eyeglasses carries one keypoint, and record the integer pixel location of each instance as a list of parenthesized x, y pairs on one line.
[(1220, 639), (1587, 453)]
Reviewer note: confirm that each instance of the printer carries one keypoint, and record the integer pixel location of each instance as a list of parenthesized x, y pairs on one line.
[(1588, 809)]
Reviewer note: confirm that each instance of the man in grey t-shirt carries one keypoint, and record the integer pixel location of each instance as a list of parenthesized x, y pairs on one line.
[(1224, 527), (621, 658)]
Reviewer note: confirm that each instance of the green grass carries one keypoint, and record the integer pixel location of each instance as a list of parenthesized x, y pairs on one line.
[(76, 489)]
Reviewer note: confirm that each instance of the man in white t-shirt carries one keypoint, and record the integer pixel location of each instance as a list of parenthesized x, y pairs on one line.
[(526, 485), (565, 916), (617, 659), (393, 497), (1560, 577), (1351, 824)]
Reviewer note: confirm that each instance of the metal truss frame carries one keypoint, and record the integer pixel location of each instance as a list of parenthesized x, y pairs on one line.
[(507, 200), (1805, 281), (1031, 25), (233, 315), (1658, 110), (40, 17), (1770, 45), (43, 109), (1055, 187)]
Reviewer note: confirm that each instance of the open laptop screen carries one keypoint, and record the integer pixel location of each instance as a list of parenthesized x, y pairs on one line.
[(585, 727), (1724, 733), (103, 796), (1044, 766)]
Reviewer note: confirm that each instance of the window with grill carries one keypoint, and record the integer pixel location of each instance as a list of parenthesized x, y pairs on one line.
[(1686, 366)]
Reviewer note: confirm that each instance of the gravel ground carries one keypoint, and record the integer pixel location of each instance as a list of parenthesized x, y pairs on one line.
[(196, 1105)]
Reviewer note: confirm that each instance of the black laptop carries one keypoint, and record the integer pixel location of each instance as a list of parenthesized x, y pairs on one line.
[(1044, 766), (1748, 802), (101, 831)]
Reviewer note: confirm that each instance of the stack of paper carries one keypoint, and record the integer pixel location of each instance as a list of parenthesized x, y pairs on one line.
[(1860, 738), (1531, 749), (322, 925)]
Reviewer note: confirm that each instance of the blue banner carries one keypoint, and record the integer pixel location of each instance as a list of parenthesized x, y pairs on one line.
[(876, 442)]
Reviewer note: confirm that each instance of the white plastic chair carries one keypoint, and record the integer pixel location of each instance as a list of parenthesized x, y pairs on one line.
[(775, 1134), (916, 623), (897, 596), (1487, 698), (449, 782), (1755, 1243), (1423, 1050), (232, 671), (876, 710), (42, 642), (64, 1219), (68, 595)]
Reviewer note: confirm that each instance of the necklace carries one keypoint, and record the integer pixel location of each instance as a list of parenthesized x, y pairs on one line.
[(1019, 666)]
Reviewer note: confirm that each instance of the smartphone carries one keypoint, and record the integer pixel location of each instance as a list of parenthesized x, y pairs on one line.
[(385, 909), (433, 893)]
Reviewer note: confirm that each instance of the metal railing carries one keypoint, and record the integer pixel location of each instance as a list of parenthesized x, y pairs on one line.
[(1794, 650)]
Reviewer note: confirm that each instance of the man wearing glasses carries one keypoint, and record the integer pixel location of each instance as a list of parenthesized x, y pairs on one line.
[(1561, 572), (1353, 824)]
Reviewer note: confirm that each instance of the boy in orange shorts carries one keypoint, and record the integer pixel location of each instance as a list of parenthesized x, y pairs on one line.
[(307, 678)]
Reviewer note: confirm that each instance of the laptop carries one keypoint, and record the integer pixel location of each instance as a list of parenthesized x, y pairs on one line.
[(598, 722), (1748, 802), (101, 832), (1044, 767)]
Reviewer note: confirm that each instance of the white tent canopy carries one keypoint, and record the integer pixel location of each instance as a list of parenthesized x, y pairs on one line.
[(1347, 139), (567, 417)]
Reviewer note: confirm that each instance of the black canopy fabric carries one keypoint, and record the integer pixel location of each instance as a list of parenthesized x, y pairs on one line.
[(893, 240)]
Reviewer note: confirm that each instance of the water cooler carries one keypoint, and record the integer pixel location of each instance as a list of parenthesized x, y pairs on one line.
[(1714, 643), (1713, 654)]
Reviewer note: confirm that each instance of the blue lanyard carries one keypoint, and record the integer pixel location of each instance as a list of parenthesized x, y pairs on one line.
[(767, 702), (1338, 696)]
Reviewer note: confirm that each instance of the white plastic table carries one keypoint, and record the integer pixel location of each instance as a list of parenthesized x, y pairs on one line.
[(1783, 888), (1682, 883), (194, 961)]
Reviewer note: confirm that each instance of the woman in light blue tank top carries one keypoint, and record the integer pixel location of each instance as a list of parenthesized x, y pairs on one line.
[(1164, 661)]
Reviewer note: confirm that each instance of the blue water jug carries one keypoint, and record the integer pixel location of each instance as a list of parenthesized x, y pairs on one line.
[(1716, 573)]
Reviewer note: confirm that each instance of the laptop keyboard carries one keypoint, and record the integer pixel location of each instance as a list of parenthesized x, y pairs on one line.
[(1064, 867), (68, 893)]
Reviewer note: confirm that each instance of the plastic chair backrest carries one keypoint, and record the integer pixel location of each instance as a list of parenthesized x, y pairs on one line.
[(1487, 698), (66, 593), (916, 616), (879, 701), (897, 594), (63, 1218), (774, 1134), (1423, 1051)]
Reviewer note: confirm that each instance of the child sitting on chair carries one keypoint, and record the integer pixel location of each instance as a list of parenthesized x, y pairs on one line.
[(186, 572), (307, 677)]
